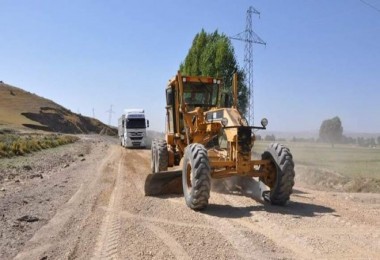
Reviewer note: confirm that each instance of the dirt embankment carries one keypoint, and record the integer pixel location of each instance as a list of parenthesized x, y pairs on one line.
[(327, 180), (96, 208), (62, 120), (20, 108)]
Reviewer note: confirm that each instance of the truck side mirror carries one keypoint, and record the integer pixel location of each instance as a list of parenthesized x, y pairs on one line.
[(147, 123)]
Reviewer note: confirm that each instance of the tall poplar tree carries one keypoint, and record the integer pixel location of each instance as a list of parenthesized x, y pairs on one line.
[(212, 54)]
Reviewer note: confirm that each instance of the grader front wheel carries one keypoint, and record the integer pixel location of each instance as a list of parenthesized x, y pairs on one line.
[(280, 177), (196, 179)]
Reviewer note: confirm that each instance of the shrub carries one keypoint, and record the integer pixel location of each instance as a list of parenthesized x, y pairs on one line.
[(12, 144)]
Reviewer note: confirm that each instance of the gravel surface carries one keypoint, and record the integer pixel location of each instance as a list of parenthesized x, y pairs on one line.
[(90, 203)]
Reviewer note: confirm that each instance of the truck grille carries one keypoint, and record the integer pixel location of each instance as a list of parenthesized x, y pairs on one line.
[(136, 138), (136, 134)]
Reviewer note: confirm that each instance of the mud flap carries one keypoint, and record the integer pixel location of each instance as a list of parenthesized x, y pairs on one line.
[(161, 183)]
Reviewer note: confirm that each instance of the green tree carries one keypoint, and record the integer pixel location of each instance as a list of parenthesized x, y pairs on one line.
[(331, 130), (212, 54), (270, 138)]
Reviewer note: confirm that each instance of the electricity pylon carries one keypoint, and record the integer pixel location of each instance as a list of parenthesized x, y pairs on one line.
[(110, 112), (249, 37)]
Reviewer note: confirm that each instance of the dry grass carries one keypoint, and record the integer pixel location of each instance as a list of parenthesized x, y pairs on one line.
[(347, 160), (344, 167), (13, 144)]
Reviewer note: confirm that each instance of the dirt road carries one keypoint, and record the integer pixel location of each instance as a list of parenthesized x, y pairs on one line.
[(102, 213)]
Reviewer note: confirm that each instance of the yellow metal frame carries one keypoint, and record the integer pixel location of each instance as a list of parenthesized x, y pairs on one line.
[(197, 129)]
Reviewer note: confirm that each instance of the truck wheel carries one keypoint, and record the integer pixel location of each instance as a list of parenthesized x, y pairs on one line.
[(162, 160), (281, 178), (196, 179), (153, 156)]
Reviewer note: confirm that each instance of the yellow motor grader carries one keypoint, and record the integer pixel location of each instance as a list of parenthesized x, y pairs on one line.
[(205, 140)]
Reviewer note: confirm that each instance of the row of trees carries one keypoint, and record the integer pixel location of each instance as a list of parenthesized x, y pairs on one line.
[(331, 131), (359, 141)]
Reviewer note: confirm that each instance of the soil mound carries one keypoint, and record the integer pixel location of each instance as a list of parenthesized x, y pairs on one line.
[(20, 108)]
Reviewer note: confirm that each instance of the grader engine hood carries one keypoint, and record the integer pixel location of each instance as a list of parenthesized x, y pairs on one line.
[(238, 135), (228, 117), (235, 127)]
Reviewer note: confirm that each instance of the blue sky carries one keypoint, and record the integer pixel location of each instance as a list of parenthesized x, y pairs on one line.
[(322, 57)]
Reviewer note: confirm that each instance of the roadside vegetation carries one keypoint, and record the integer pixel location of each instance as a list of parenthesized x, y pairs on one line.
[(348, 160), (16, 144), (343, 167)]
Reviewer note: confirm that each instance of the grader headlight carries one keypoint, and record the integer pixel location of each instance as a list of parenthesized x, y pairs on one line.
[(264, 122)]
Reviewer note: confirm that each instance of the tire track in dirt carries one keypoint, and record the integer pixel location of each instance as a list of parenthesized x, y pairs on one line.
[(353, 234), (337, 242), (45, 239), (136, 175), (111, 230), (107, 244), (169, 241), (138, 161), (147, 230), (346, 234), (245, 247), (126, 214), (243, 240), (281, 237)]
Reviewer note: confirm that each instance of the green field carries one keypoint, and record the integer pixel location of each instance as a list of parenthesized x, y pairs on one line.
[(346, 160)]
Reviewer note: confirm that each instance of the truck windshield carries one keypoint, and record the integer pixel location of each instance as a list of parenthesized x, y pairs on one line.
[(136, 123), (200, 94)]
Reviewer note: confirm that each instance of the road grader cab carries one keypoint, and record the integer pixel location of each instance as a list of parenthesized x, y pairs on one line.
[(205, 140)]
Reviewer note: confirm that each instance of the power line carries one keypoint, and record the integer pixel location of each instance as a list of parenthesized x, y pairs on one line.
[(249, 37), (370, 5)]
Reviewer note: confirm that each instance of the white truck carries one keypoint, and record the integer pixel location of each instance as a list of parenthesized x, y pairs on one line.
[(132, 128)]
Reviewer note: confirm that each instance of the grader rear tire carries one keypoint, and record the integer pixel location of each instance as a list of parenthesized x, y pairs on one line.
[(196, 179), (282, 162), (162, 159), (153, 156)]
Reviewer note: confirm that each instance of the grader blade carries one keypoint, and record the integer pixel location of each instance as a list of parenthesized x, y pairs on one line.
[(161, 183)]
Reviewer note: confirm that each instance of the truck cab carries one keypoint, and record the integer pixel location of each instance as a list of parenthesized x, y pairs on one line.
[(132, 128)]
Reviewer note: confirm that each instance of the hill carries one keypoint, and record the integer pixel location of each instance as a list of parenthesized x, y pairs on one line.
[(22, 109)]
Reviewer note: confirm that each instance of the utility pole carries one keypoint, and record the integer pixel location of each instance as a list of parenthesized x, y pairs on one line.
[(110, 112), (249, 37), (93, 113)]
